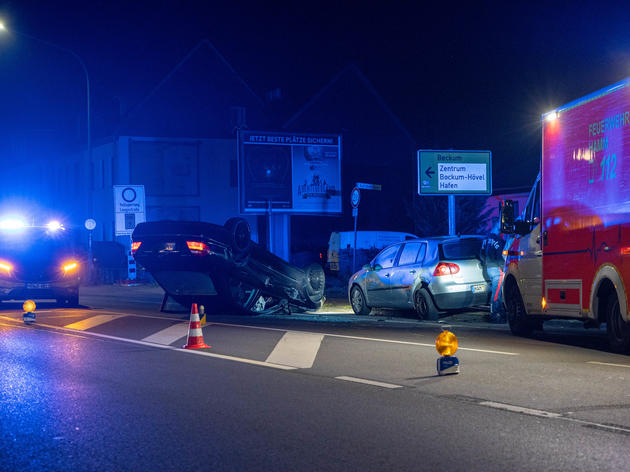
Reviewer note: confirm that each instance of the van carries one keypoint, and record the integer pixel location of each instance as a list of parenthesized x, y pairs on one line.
[(369, 243)]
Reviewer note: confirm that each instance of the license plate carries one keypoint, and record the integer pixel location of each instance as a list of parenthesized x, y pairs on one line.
[(478, 288), (35, 286)]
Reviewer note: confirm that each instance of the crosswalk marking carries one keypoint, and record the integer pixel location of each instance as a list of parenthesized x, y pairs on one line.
[(169, 335), (296, 349), (92, 322)]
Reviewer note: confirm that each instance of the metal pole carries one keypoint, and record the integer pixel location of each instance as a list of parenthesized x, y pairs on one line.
[(451, 215), (89, 125), (269, 230), (90, 256), (354, 247)]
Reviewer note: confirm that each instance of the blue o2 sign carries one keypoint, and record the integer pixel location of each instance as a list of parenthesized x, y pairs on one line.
[(454, 172)]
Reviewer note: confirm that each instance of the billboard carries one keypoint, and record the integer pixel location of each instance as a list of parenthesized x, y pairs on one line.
[(454, 172), (289, 172)]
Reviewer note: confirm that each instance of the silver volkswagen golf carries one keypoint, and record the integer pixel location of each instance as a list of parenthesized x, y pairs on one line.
[(428, 275)]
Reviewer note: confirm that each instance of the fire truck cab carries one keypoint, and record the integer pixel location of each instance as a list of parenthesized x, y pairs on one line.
[(569, 251)]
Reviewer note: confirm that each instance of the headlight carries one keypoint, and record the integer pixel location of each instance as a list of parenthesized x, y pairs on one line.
[(12, 224), (70, 266), (5, 267), (54, 225)]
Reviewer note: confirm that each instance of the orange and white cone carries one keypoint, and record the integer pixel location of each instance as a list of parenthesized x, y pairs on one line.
[(195, 335)]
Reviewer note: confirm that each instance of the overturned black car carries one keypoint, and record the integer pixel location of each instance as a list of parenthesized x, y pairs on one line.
[(221, 268)]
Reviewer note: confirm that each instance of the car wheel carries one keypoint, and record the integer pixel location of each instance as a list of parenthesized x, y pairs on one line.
[(617, 329), (315, 281), (69, 300), (516, 315), (357, 300), (424, 306)]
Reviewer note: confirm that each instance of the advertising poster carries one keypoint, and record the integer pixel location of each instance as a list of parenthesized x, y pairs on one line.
[(316, 182), (289, 172)]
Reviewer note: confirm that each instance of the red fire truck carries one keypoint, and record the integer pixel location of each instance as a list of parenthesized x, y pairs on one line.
[(569, 254)]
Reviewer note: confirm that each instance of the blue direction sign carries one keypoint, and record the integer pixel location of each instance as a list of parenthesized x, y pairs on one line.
[(454, 172)]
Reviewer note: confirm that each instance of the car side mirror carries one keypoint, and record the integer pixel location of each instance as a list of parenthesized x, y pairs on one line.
[(377, 267), (367, 267), (522, 227), (506, 212)]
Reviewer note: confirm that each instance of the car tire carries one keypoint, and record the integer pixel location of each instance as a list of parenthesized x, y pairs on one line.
[(515, 313), (315, 282), (69, 300), (424, 306), (358, 302), (617, 329)]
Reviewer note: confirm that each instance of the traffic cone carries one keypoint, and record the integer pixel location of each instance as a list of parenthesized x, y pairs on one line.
[(195, 335)]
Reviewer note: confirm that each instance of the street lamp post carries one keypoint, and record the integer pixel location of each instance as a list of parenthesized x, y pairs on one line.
[(87, 89), (89, 127)]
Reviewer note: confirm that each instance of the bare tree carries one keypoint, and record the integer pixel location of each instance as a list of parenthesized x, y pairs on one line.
[(430, 215)]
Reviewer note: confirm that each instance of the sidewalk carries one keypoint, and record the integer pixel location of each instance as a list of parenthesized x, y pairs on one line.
[(335, 309)]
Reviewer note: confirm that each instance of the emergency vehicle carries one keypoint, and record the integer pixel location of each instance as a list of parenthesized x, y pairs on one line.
[(569, 255)]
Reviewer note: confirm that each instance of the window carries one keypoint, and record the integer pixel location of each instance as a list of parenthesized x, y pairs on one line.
[(461, 249), (536, 209), (387, 256), (409, 254)]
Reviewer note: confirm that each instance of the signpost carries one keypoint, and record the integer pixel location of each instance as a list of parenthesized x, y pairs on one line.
[(129, 210), (90, 224), (453, 173), (355, 199)]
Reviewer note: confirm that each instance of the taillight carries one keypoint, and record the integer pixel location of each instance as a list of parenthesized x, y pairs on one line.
[(446, 268), (135, 246), (197, 247)]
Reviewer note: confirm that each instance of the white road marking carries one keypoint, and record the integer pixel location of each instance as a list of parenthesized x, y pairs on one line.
[(92, 322), (162, 346), (170, 334), (368, 382), (360, 338), (365, 338), (520, 409), (297, 349), (606, 363), (554, 416)]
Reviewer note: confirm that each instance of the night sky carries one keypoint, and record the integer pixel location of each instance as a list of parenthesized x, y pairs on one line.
[(473, 77)]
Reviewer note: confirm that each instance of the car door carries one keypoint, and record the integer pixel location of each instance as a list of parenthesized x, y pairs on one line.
[(404, 274), (377, 280)]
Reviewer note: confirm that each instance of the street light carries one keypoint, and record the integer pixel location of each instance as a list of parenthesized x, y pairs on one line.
[(3, 28)]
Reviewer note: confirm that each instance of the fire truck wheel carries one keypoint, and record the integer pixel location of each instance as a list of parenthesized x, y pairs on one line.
[(515, 311), (617, 329)]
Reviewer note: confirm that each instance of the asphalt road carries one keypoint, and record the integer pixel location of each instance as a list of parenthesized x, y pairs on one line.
[(107, 387)]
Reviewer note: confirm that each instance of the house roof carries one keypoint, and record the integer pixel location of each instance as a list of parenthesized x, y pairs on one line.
[(195, 99), (338, 90)]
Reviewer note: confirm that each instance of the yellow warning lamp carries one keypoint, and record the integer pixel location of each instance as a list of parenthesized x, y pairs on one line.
[(29, 306), (446, 343)]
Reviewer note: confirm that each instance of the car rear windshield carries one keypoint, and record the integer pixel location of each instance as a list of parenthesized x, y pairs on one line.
[(461, 249)]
